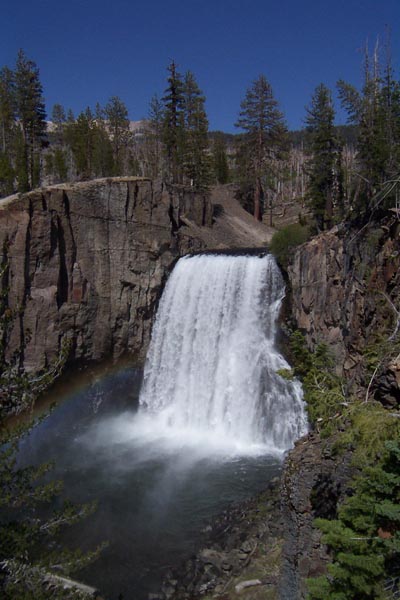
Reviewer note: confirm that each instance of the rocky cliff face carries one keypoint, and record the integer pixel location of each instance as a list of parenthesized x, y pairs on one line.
[(345, 287), (87, 262), (315, 479)]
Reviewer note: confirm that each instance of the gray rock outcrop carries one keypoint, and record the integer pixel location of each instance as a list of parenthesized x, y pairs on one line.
[(87, 262), (345, 288)]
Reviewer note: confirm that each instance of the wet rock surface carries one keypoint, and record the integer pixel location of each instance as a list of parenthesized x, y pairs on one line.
[(315, 480), (267, 547), (239, 556)]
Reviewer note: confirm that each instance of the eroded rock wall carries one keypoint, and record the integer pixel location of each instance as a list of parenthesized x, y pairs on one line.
[(88, 261), (345, 292), (314, 480), (345, 289)]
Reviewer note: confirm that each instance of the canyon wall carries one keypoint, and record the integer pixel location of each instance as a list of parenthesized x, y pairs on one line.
[(87, 263), (345, 286), (345, 290)]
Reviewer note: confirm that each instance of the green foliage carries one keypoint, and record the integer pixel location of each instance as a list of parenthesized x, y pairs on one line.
[(116, 114), (174, 124), (324, 169), (264, 139), (220, 160), (362, 426), (365, 538), (31, 113), (153, 138), (196, 160), (368, 426), (323, 389), (90, 145), (286, 374), (29, 524), (7, 175), (286, 239), (60, 164), (30, 517), (58, 115), (375, 109), (180, 123)]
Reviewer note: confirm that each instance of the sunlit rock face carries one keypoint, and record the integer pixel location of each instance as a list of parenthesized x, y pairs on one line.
[(87, 262)]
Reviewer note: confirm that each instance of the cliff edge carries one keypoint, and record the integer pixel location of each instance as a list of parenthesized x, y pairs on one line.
[(87, 261)]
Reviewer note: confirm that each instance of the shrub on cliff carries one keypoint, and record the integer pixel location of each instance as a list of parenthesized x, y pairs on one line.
[(323, 389), (32, 561), (365, 538), (286, 239)]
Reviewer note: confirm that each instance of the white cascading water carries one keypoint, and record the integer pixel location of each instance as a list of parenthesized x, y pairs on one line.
[(212, 365)]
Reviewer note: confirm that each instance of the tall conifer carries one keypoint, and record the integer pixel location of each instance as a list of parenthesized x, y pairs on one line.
[(324, 189), (7, 131), (197, 164), (31, 114), (116, 115), (265, 135), (173, 129)]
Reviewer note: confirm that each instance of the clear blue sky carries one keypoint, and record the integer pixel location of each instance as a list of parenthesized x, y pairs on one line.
[(90, 50)]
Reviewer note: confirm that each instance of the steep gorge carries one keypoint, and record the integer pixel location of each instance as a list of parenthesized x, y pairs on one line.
[(88, 262)]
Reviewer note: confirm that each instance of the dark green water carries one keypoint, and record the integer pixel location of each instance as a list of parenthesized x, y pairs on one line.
[(154, 497)]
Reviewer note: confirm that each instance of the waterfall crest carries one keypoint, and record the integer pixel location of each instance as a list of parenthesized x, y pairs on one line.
[(212, 363)]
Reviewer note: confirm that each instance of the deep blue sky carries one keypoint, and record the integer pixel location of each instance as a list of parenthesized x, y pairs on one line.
[(90, 50)]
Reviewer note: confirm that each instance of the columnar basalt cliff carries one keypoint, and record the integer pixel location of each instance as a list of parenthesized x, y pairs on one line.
[(345, 286), (87, 262)]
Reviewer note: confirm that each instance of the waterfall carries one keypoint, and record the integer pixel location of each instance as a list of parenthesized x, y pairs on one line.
[(212, 363)]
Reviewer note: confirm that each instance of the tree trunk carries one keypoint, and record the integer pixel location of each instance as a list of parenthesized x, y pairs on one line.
[(257, 197), (329, 210)]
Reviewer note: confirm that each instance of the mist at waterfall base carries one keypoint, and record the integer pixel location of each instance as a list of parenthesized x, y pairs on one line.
[(209, 428)]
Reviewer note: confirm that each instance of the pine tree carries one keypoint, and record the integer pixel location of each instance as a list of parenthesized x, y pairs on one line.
[(58, 116), (265, 135), (376, 112), (324, 165), (56, 157), (31, 114), (173, 127), (102, 164), (196, 159), (7, 131), (220, 159), (90, 144), (116, 114), (79, 136), (365, 538), (153, 136), (7, 109)]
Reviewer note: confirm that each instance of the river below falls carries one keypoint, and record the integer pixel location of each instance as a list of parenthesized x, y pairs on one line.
[(154, 498)]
